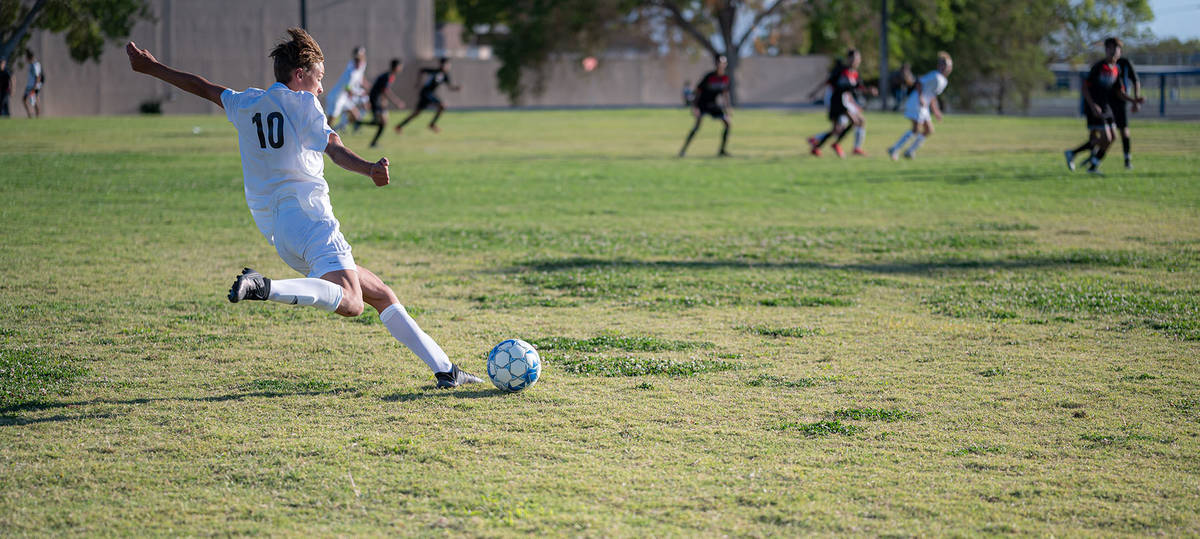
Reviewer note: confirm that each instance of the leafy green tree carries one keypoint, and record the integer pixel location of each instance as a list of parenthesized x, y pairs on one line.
[(536, 29), (85, 24)]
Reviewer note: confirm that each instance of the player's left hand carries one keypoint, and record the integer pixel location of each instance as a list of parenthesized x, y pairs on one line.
[(1137, 105), (938, 116), (379, 172), (874, 91)]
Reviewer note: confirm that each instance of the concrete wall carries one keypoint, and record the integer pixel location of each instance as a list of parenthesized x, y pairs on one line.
[(638, 81), (226, 41)]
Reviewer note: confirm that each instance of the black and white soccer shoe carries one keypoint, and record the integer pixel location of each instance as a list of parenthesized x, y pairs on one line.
[(456, 377), (250, 285)]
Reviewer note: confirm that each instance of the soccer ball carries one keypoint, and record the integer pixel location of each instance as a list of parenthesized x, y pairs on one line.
[(514, 365)]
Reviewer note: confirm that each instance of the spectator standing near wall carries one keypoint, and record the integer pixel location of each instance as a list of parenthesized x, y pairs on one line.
[(5, 86)]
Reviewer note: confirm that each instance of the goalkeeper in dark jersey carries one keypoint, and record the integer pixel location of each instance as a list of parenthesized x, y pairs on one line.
[(713, 88)]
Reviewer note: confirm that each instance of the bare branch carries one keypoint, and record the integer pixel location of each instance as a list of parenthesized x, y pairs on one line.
[(758, 19), (687, 26)]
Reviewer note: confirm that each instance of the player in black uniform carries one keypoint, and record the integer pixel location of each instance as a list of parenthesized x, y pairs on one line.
[(1129, 80), (1101, 91), (435, 77), (845, 87), (713, 86), (381, 89)]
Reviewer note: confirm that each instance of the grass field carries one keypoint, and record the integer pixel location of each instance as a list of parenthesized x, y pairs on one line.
[(974, 342)]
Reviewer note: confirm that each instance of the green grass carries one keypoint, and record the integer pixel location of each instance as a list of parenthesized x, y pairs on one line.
[(975, 342)]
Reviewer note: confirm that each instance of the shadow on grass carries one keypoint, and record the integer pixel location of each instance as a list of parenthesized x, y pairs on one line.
[(7, 419), (434, 393), (1038, 260)]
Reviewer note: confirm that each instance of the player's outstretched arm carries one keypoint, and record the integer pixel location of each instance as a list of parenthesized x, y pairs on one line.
[(936, 108), (343, 157), (141, 61)]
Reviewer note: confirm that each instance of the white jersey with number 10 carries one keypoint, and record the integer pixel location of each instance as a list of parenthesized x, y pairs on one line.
[(282, 136)]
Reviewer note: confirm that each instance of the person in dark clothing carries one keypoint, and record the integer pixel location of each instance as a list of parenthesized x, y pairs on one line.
[(5, 86), (1102, 90), (844, 109), (1129, 80), (428, 97), (381, 90), (900, 83), (712, 89)]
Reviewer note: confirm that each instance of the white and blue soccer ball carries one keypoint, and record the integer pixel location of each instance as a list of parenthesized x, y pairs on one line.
[(514, 365)]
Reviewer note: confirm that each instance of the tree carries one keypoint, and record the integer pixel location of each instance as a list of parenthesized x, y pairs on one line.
[(536, 29), (85, 24)]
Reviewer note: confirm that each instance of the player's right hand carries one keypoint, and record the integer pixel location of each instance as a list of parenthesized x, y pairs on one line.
[(1097, 110), (379, 172), (140, 60)]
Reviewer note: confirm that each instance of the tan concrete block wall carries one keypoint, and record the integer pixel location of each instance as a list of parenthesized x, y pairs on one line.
[(227, 41)]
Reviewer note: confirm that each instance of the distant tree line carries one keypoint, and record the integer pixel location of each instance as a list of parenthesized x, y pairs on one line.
[(1001, 48)]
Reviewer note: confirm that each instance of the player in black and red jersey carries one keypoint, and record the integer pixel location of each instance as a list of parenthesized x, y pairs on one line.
[(844, 110), (381, 90), (713, 88), (1102, 90), (1129, 80)]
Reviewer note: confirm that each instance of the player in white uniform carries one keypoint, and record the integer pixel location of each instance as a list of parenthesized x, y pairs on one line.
[(920, 102), (282, 132), (349, 87), (33, 88)]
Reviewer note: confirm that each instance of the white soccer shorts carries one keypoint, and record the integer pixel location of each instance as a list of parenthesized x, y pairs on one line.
[(311, 241), (915, 112)]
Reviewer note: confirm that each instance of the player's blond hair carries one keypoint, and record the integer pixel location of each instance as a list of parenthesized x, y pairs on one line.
[(301, 51)]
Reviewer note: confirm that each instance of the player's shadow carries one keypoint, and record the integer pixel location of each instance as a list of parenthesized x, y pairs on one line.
[(442, 393), (887, 267), (7, 417)]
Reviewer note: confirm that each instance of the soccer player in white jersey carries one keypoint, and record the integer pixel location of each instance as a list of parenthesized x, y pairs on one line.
[(33, 89), (920, 102), (282, 132), (341, 97)]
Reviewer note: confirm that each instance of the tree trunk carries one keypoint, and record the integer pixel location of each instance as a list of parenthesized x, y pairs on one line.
[(10, 44)]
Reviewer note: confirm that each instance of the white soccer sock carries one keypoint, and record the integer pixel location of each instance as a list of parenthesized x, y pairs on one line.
[(317, 293), (406, 330), (900, 143), (860, 135), (916, 144)]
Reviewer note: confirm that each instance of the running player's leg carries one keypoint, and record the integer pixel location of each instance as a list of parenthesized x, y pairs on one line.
[(409, 118), (433, 123), (696, 127), (1125, 146), (894, 150), (379, 119), (724, 136), (404, 329), (860, 134), (1101, 137), (25, 102), (926, 131)]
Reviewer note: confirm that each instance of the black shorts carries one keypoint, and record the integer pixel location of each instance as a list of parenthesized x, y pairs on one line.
[(711, 109), (1120, 114), (377, 108), (428, 100), (1101, 121)]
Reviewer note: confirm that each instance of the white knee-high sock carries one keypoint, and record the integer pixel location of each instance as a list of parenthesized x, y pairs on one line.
[(406, 330), (903, 138), (916, 144), (860, 135), (317, 293)]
